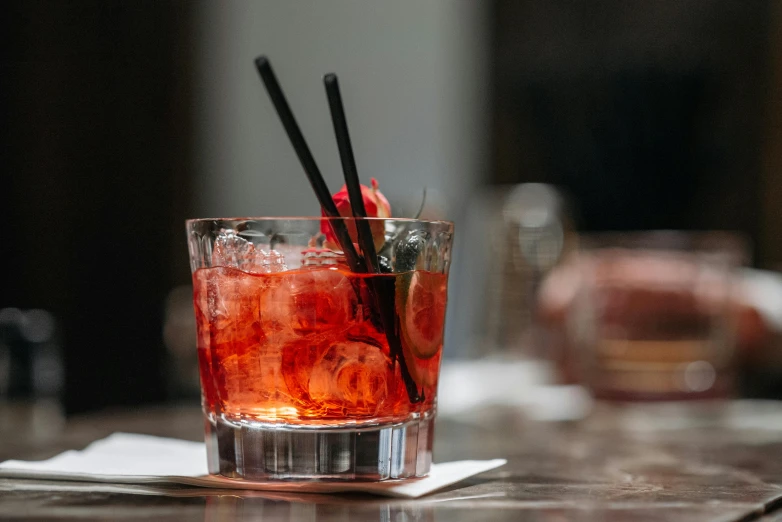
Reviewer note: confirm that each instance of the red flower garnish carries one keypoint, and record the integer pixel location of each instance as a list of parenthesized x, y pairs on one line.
[(375, 204)]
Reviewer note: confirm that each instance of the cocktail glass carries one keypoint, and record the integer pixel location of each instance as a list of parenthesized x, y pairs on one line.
[(311, 370), (655, 318)]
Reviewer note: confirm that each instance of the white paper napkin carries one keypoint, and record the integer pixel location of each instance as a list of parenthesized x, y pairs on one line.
[(125, 458)]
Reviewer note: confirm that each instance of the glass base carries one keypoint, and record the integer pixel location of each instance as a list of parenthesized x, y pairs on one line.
[(254, 451)]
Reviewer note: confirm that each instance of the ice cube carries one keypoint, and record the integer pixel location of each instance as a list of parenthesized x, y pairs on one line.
[(351, 378), (271, 262), (233, 311), (321, 299), (201, 306), (316, 257), (233, 251), (291, 253), (252, 383), (334, 374), (303, 302), (275, 306)]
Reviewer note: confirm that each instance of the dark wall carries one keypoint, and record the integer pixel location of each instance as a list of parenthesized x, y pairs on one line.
[(95, 150), (650, 114)]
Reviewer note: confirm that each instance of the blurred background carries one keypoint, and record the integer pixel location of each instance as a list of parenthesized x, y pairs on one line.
[(122, 119)]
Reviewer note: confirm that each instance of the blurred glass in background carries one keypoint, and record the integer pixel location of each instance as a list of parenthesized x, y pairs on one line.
[(533, 234), (514, 237), (654, 317)]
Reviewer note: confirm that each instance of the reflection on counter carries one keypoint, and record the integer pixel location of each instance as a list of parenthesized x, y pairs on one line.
[(302, 508)]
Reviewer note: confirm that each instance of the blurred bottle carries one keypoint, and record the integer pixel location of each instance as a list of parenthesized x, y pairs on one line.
[(31, 374)]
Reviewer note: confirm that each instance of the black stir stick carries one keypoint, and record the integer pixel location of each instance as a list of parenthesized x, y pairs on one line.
[(308, 162), (351, 174), (383, 289)]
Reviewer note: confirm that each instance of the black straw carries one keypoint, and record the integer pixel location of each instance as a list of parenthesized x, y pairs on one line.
[(383, 289), (307, 161), (351, 174)]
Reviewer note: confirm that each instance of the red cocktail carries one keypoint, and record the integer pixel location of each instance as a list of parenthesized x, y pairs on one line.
[(295, 349), (299, 347)]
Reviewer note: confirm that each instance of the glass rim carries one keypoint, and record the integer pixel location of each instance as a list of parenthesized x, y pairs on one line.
[(734, 244), (665, 236), (192, 221)]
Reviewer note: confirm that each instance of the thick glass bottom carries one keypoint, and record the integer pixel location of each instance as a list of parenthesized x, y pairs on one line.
[(254, 451)]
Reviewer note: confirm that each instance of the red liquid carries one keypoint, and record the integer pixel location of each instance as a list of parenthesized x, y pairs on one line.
[(306, 346)]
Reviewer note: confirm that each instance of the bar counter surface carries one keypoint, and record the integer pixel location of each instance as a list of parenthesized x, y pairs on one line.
[(612, 466)]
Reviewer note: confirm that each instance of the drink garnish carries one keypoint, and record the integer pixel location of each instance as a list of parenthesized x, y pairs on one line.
[(422, 305), (408, 253), (421, 208), (375, 205)]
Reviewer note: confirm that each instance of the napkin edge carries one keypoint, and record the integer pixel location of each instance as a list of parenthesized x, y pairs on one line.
[(206, 482)]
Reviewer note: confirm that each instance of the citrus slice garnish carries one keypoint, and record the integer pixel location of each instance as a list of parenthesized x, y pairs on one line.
[(422, 313)]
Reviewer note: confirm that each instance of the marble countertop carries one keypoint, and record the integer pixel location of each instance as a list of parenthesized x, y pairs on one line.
[(646, 465)]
